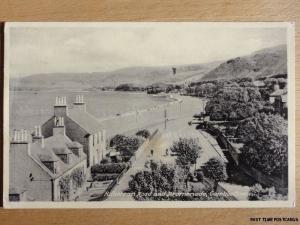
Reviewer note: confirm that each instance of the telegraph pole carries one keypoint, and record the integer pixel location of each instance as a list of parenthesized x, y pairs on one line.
[(165, 115)]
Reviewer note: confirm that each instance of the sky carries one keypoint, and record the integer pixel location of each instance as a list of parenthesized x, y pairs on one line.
[(106, 47)]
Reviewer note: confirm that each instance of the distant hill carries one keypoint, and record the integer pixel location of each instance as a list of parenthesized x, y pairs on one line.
[(141, 76), (266, 62)]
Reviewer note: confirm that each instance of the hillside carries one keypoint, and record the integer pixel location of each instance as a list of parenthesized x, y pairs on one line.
[(266, 62), (141, 76)]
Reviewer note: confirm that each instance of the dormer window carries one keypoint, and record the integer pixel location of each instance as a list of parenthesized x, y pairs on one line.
[(49, 160), (51, 166), (65, 158), (63, 154)]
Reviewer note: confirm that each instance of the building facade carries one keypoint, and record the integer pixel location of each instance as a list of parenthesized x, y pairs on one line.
[(81, 127), (46, 169)]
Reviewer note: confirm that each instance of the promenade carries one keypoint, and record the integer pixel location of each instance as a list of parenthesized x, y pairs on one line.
[(176, 127)]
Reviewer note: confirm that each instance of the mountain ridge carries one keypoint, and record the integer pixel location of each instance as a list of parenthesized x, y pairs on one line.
[(262, 63), (265, 62)]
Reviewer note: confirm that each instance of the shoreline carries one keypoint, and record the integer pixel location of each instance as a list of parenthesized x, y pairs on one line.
[(173, 100)]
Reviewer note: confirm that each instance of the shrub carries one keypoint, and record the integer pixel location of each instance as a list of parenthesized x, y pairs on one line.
[(104, 177), (126, 145), (117, 159), (109, 168), (257, 192), (199, 175), (126, 158), (143, 133), (158, 178), (105, 161)]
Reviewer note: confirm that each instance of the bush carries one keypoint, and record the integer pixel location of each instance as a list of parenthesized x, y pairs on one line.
[(126, 145), (158, 178), (143, 133), (126, 158), (104, 177), (199, 175), (105, 161), (117, 159), (258, 193), (109, 168)]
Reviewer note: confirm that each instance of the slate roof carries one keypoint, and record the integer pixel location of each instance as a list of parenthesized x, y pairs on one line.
[(47, 156), (74, 144), (58, 141), (85, 120), (54, 146), (62, 151)]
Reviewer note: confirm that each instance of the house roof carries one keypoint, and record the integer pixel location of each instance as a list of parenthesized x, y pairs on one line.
[(57, 141), (55, 145), (47, 156), (62, 151), (85, 120), (74, 144)]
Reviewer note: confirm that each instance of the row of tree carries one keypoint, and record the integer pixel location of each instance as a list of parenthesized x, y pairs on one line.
[(161, 181)]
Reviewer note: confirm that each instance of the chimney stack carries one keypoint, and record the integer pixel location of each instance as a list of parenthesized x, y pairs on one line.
[(59, 126), (37, 136), (19, 137), (19, 145), (60, 107), (79, 103)]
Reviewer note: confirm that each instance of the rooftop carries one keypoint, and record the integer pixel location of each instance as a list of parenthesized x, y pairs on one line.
[(53, 146), (87, 121)]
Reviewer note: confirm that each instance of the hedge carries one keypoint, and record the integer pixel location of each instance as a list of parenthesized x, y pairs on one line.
[(109, 168), (104, 177)]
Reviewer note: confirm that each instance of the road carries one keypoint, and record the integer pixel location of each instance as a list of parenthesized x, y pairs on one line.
[(176, 127)]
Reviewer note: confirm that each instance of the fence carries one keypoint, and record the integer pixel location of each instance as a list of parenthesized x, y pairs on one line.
[(224, 142), (112, 185)]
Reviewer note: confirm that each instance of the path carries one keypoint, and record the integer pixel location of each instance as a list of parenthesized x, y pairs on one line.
[(163, 140)]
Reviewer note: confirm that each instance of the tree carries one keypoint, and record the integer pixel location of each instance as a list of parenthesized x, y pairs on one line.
[(215, 170), (234, 102), (187, 150), (258, 193), (143, 133), (265, 143), (157, 181), (126, 145)]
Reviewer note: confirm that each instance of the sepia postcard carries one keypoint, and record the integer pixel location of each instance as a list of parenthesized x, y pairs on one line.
[(149, 115)]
